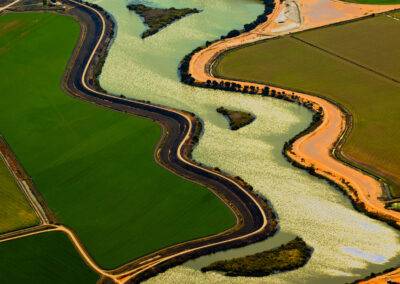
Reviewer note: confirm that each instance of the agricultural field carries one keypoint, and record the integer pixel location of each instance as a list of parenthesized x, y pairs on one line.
[(94, 167), (377, 52), (353, 64), (43, 258), (16, 213)]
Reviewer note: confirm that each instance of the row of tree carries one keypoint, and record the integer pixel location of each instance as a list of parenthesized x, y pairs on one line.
[(269, 6), (183, 68)]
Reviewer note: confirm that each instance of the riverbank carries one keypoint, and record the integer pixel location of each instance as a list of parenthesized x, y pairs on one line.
[(175, 121), (258, 163), (165, 152), (311, 150)]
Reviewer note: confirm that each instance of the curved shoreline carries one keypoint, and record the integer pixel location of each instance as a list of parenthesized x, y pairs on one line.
[(135, 270), (317, 147), (255, 220)]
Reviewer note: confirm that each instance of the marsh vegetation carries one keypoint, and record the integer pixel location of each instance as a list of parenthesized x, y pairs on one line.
[(237, 119), (158, 18), (287, 257)]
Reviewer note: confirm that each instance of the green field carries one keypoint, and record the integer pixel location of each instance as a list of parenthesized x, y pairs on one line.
[(373, 100), (94, 167), (16, 213), (43, 258)]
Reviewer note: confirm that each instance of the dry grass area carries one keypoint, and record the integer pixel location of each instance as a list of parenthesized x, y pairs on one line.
[(15, 210)]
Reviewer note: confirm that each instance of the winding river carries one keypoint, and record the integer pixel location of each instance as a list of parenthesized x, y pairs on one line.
[(347, 245)]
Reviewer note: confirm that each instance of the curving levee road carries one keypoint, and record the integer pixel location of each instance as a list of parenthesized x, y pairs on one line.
[(255, 221), (316, 148)]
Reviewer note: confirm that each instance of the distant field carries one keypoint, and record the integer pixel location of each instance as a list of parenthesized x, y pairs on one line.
[(373, 100), (371, 42), (15, 210), (43, 258), (94, 167)]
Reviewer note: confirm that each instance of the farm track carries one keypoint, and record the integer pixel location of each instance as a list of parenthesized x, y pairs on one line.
[(25, 183)]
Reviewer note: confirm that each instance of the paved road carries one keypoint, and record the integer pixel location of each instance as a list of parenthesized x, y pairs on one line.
[(256, 222)]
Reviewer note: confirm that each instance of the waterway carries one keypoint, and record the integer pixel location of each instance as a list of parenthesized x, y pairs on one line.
[(347, 245)]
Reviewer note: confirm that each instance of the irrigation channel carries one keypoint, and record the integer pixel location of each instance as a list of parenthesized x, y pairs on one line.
[(347, 245)]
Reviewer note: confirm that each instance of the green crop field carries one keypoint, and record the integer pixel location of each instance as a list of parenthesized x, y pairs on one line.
[(372, 99), (43, 258), (16, 213), (94, 167)]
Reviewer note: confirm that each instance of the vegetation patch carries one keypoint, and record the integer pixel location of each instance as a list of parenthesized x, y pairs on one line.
[(94, 167), (394, 206), (287, 257), (43, 258), (183, 68), (15, 210), (351, 64), (158, 18), (237, 119)]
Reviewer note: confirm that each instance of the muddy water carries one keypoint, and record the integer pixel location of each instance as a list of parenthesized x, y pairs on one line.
[(347, 245)]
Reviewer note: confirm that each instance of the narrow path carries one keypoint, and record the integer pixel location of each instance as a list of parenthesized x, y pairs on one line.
[(9, 5), (44, 214), (23, 181), (392, 17)]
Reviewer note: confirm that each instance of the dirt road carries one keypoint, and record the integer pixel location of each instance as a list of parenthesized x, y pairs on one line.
[(316, 148)]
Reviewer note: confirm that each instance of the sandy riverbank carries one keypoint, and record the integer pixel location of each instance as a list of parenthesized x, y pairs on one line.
[(315, 148)]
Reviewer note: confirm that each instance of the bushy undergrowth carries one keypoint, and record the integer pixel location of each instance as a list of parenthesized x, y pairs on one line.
[(289, 256), (237, 119), (157, 18)]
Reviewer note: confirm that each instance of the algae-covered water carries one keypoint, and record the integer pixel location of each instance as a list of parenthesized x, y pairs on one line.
[(347, 245)]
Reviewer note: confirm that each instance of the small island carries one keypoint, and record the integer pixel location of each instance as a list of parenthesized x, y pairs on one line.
[(287, 257), (157, 18), (237, 119)]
